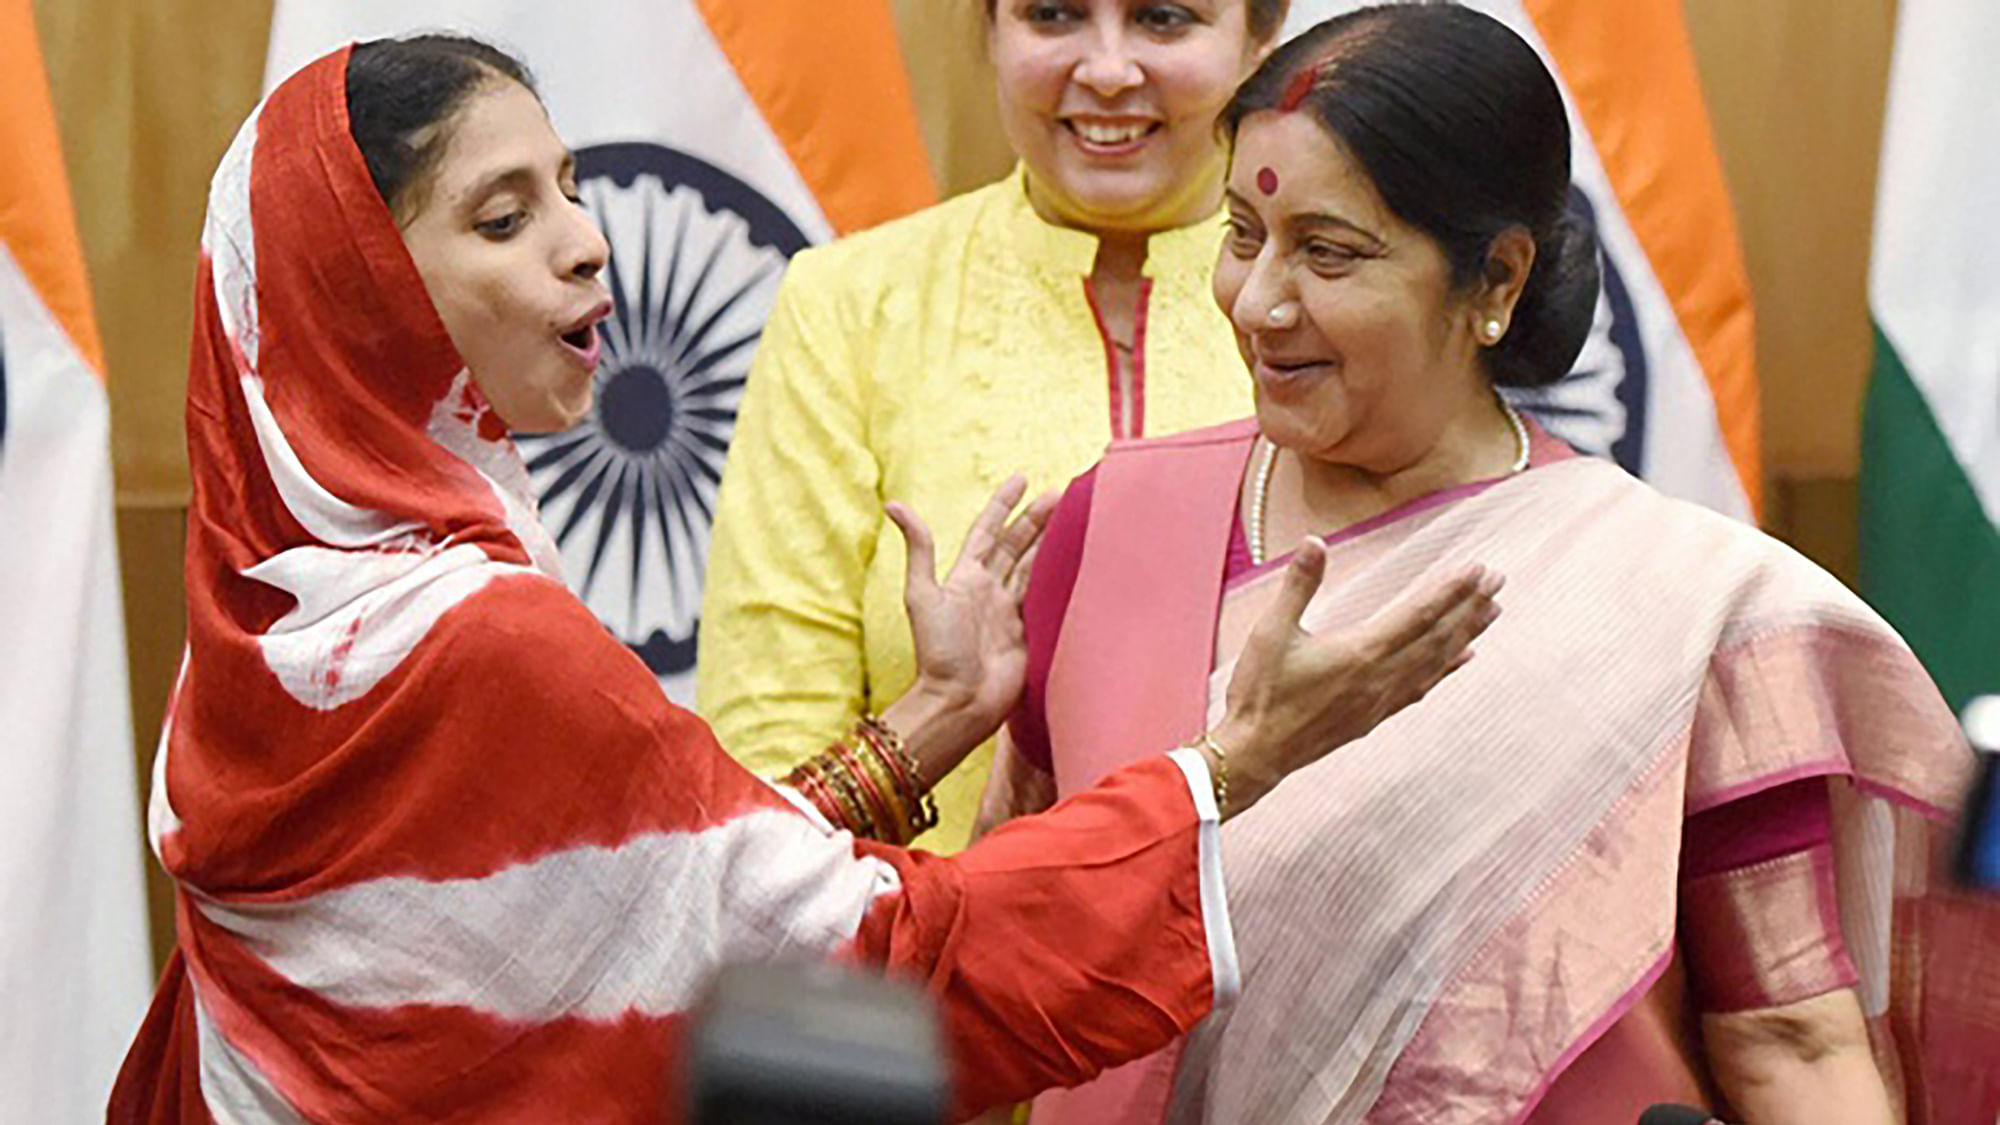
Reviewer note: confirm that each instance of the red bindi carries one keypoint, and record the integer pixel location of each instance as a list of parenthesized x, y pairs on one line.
[(1267, 181)]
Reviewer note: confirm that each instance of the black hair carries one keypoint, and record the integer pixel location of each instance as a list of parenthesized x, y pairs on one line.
[(1265, 16), (398, 90), (1462, 131)]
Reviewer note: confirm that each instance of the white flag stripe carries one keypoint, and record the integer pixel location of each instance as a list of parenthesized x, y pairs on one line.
[(1934, 283), (74, 964), (528, 943)]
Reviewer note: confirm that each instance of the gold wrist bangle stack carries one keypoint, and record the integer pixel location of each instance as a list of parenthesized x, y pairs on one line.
[(1207, 742), (868, 783)]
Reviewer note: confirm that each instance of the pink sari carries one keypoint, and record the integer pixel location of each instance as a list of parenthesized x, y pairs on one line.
[(1474, 914)]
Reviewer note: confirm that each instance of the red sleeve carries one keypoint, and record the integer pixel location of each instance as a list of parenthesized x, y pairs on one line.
[(1050, 585), (1060, 944)]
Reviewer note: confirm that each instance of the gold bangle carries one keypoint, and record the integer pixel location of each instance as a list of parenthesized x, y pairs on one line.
[(842, 781), (850, 757), (1207, 742), (885, 739), (808, 779), (902, 811)]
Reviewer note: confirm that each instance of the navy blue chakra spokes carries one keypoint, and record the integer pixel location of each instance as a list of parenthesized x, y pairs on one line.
[(696, 256)]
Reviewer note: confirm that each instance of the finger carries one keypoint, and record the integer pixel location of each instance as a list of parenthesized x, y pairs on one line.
[(1022, 535), (1448, 645), (1440, 673), (920, 551), (1017, 582), (1466, 619), (1449, 638), (985, 531), (1302, 579), (1441, 604)]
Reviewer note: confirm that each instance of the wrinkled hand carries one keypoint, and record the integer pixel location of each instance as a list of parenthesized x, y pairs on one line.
[(1296, 697), (966, 629)]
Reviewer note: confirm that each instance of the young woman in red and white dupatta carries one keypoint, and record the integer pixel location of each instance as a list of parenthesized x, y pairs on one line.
[(443, 850), (1665, 841)]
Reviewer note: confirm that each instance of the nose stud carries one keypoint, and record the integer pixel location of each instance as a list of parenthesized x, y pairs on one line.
[(1283, 315)]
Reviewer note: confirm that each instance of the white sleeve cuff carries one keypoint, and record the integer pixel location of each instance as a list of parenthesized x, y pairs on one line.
[(1222, 964)]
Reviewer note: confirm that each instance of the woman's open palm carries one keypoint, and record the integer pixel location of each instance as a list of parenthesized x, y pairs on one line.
[(966, 628)]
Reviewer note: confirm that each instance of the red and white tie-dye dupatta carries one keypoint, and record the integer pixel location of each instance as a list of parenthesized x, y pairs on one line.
[(442, 849)]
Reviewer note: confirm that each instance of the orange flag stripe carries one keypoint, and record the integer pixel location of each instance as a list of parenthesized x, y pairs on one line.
[(829, 77), (36, 223), (1630, 67)]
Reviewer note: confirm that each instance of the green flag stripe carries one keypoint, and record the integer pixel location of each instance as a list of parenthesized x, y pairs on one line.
[(1930, 556)]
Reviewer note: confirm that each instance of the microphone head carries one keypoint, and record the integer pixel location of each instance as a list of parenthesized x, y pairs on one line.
[(1665, 1114)]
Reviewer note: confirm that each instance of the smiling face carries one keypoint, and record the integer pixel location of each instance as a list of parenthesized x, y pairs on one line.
[(1112, 104), (1373, 353), (511, 259)]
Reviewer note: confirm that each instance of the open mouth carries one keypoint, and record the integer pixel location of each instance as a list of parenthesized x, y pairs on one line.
[(1096, 135), (581, 337)]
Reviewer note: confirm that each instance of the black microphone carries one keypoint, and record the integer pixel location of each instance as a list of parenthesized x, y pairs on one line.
[(813, 1044), (1668, 1114)]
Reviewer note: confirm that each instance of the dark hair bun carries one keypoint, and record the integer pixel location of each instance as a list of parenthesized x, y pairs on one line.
[(1552, 318)]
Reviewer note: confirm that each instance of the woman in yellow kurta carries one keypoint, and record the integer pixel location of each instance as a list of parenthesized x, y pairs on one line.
[(1019, 327)]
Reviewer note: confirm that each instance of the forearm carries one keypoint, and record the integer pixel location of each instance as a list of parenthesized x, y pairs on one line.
[(1805, 1063), (939, 729), (1067, 943)]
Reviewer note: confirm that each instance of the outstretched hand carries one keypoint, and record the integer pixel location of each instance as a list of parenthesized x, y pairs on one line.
[(966, 629), (1296, 697)]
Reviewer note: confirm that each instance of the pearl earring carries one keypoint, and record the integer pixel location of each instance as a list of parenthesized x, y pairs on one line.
[(1490, 332)]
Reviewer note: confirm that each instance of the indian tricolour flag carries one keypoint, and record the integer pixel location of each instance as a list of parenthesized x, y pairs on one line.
[(1667, 383), (1930, 451), (74, 965), (714, 139)]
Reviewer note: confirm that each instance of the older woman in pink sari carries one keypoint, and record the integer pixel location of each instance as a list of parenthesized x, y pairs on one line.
[(1665, 841)]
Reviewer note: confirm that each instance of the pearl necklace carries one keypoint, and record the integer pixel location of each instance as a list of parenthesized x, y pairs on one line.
[(1267, 456)]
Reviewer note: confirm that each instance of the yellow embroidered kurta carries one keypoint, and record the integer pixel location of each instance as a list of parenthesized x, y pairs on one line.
[(921, 361)]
